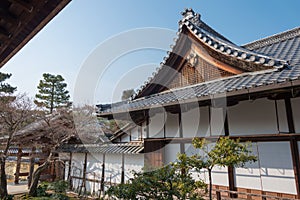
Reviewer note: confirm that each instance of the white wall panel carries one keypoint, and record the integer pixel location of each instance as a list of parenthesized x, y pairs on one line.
[(144, 130), (249, 175), (190, 123), (113, 164), (172, 125), (135, 133), (252, 117), (125, 138), (276, 167), (156, 126), (171, 151), (296, 113), (195, 122), (217, 119), (282, 120), (220, 176), (134, 162)]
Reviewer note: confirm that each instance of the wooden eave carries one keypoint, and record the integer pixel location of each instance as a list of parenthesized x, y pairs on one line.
[(21, 20)]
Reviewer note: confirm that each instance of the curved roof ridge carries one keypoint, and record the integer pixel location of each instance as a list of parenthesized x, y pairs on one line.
[(216, 41), (278, 37)]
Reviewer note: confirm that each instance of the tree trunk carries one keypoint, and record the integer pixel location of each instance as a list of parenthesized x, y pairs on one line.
[(3, 181), (36, 176), (210, 184)]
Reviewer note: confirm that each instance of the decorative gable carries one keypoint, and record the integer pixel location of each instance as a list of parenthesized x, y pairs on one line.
[(201, 54)]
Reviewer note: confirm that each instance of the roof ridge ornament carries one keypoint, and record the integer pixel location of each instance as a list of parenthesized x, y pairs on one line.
[(190, 13)]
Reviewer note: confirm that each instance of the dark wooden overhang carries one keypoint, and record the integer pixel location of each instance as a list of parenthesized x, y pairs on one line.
[(20, 20)]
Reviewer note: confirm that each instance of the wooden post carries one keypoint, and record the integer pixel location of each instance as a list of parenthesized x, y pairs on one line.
[(18, 166), (123, 173), (103, 174), (296, 164), (83, 184), (289, 115), (231, 182), (31, 168), (69, 171)]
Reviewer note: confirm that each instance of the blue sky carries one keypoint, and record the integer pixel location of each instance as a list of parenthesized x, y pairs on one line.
[(68, 40)]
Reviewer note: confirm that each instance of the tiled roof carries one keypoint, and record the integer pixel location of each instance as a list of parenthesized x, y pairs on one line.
[(126, 148), (284, 47), (217, 42)]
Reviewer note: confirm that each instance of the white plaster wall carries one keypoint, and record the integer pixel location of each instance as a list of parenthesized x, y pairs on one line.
[(282, 120), (77, 168), (249, 175), (125, 138), (276, 167), (296, 113), (172, 125), (195, 122), (171, 151), (219, 176), (135, 134), (252, 117), (113, 164), (217, 119), (144, 130), (156, 126), (65, 157), (190, 123), (134, 162)]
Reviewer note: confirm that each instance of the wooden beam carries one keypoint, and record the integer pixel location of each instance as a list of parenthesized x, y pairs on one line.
[(4, 32), (18, 165), (70, 170), (103, 175), (289, 115), (83, 183), (7, 17), (26, 6), (231, 181), (251, 138), (296, 163), (180, 125), (123, 169), (226, 125)]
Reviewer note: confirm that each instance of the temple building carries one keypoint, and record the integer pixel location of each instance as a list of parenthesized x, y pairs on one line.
[(209, 87)]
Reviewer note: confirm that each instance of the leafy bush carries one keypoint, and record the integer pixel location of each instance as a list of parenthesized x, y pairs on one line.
[(41, 190), (58, 186)]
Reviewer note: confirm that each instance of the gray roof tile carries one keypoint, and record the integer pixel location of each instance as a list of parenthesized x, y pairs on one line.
[(283, 46)]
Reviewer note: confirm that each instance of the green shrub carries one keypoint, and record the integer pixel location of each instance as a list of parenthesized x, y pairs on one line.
[(58, 186), (41, 190)]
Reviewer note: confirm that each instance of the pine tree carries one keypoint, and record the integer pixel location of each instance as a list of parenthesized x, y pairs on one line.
[(5, 87), (52, 92)]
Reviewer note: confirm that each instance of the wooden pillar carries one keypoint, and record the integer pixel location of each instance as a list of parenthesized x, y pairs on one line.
[(83, 184), (180, 125), (289, 115), (226, 125), (123, 170), (31, 167), (103, 174), (296, 163), (231, 181), (69, 171), (147, 127), (18, 166)]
